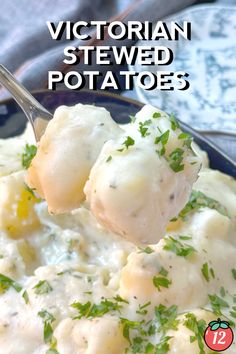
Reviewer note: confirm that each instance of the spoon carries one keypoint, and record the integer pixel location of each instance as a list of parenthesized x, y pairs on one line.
[(34, 111)]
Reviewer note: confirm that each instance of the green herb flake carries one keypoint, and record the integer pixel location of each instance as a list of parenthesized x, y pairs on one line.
[(163, 347), (28, 155), (185, 238), (163, 272), (109, 158), (147, 250), (173, 121), (128, 325), (161, 281), (205, 271), (149, 348), (179, 248), (132, 118), (53, 346), (82, 308), (137, 345), (28, 189), (48, 319), (142, 309), (143, 128), (234, 273), (118, 298), (95, 310), (104, 307), (6, 283), (222, 291), (128, 142), (163, 139), (197, 327), (199, 200), (212, 273), (52, 351), (217, 303), (43, 287), (25, 297), (156, 115), (167, 318), (187, 139), (175, 160)]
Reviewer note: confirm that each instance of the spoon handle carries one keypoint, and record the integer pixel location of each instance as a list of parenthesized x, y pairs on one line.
[(33, 110)]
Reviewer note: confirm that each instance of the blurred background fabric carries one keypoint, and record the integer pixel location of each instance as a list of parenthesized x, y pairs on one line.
[(29, 52)]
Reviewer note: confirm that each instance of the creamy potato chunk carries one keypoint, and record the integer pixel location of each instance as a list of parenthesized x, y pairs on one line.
[(143, 179), (66, 153)]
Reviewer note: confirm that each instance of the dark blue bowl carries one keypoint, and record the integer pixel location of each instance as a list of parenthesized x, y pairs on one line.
[(12, 120)]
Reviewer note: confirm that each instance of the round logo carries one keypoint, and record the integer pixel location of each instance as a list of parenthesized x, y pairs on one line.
[(218, 336)]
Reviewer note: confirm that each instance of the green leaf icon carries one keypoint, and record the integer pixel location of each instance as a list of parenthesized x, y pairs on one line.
[(212, 323), (224, 324), (215, 326)]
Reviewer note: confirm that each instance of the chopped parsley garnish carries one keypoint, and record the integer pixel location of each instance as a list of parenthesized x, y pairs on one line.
[(185, 238), (82, 308), (118, 298), (217, 303), (43, 287), (128, 142), (206, 272), (175, 160), (132, 119), (95, 310), (137, 345), (222, 291), (187, 139), (6, 283), (181, 249), (234, 273), (143, 128), (28, 189), (149, 348), (197, 327), (199, 200), (128, 325), (173, 121), (25, 297), (166, 317), (156, 115), (28, 155), (163, 139), (147, 250), (48, 319), (109, 158), (52, 351), (163, 347), (142, 309), (161, 280)]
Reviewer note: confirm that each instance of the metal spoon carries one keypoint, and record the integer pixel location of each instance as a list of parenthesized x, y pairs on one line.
[(34, 111)]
